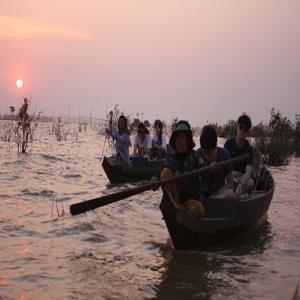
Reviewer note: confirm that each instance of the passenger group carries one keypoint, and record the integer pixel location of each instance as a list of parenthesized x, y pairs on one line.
[(230, 181)]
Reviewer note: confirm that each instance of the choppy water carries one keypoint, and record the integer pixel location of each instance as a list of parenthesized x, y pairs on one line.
[(123, 250)]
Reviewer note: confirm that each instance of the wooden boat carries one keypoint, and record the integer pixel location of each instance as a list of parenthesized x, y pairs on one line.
[(223, 217), (143, 169)]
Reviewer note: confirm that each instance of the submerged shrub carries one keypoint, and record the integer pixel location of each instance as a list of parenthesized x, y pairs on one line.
[(59, 130), (279, 143), (297, 136), (228, 130), (24, 130)]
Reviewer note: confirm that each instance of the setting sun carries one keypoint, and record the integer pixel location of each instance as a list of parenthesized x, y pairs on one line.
[(19, 83)]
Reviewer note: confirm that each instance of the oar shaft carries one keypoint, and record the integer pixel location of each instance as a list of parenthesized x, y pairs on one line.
[(84, 206)]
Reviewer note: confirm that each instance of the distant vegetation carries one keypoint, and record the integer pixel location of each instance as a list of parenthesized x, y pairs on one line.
[(276, 139), (297, 136)]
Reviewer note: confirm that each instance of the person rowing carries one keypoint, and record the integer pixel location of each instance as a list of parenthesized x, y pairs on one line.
[(188, 191), (219, 182), (122, 137)]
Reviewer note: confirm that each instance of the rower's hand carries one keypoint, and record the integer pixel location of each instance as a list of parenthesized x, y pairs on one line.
[(214, 167), (244, 180), (194, 208), (154, 179)]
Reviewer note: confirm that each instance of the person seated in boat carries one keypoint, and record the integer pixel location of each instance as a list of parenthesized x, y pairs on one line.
[(188, 191), (218, 182), (142, 142), (238, 145), (122, 137), (159, 144)]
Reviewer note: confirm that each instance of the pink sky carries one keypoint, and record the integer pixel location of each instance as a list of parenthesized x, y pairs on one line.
[(196, 59)]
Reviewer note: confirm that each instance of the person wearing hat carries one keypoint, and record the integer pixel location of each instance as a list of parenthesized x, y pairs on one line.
[(238, 145), (159, 143), (188, 191), (142, 141)]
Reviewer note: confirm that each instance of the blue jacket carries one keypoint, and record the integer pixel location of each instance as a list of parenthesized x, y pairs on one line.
[(122, 143)]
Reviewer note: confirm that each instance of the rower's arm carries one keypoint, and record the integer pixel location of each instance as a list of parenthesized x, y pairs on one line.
[(124, 138), (247, 174)]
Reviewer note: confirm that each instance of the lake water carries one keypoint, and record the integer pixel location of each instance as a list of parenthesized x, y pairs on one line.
[(123, 250)]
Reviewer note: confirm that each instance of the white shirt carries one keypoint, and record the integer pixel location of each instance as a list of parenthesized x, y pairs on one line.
[(137, 141)]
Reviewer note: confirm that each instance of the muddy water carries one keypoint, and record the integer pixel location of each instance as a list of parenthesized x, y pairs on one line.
[(123, 250)]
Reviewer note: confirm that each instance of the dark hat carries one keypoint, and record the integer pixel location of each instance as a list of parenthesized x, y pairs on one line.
[(184, 127)]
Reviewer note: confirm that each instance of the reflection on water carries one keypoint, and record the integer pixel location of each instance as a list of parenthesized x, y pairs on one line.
[(123, 250), (208, 274)]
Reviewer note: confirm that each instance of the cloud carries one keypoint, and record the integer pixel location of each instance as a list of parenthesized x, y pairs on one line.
[(20, 28)]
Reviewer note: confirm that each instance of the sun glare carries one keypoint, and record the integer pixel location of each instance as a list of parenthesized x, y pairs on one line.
[(19, 83)]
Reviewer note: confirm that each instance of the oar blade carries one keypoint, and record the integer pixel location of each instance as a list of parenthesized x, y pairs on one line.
[(84, 206)]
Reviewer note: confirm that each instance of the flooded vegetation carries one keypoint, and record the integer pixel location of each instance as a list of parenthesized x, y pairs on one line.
[(123, 251), (188, 188), (20, 129), (277, 139)]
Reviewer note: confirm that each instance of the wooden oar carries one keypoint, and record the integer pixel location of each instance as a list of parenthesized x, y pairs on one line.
[(84, 206)]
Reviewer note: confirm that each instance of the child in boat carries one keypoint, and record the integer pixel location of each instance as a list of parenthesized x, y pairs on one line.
[(159, 144), (218, 182), (142, 142), (121, 136), (184, 159), (242, 171)]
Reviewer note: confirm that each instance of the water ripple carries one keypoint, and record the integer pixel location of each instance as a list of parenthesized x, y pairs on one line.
[(123, 250)]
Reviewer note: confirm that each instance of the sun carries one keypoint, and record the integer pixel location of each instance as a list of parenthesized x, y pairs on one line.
[(19, 83)]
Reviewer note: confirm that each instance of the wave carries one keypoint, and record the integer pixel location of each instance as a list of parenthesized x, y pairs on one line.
[(73, 230), (16, 162), (4, 196), (72, 176), (96, 238), (51, 158), (32, 192)]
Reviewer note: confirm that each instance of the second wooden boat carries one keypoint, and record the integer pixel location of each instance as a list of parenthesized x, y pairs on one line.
[(143, 169)]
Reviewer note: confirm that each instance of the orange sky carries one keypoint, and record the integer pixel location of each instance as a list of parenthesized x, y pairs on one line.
[(198, 60)]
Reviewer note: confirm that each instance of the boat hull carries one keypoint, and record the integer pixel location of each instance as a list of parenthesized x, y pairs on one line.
[(223, 217), (143, 170)]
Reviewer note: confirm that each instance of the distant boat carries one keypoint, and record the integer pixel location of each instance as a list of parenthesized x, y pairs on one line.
[(143, 169), (223, 217)]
